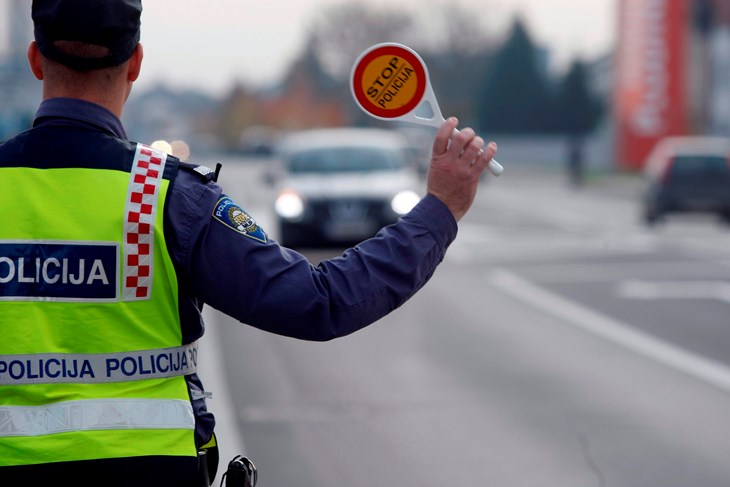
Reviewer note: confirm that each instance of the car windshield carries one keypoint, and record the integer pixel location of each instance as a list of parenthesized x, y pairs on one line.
[(688, 165), (344, 159)]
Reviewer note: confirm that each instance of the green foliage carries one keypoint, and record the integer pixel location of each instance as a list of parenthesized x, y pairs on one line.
[(496, 87), (515, 95), (518, 97), (577, 109)]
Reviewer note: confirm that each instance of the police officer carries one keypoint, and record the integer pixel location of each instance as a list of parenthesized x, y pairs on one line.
[(109, 250)]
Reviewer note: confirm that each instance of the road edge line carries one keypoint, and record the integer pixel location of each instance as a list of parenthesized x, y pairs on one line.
[(616, 331)]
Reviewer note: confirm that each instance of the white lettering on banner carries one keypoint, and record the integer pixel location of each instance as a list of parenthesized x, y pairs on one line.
[(49, 271), (11, 270), (59, 270), (96, 368)]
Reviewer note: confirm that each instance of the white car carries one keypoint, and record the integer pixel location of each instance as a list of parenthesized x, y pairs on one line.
[(340, 186)]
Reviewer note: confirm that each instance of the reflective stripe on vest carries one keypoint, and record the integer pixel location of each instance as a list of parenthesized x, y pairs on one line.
[(51, 368), (96, 414)]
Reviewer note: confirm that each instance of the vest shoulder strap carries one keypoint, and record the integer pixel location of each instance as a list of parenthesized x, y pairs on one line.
[(204, 173)]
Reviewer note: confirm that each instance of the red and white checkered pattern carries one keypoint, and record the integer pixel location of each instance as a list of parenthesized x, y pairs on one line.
[(139, 222)]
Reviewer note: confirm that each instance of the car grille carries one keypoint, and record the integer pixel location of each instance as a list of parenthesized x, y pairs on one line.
[(350, 209)]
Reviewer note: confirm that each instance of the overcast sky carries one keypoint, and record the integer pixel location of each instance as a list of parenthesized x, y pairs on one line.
[(211, 43)]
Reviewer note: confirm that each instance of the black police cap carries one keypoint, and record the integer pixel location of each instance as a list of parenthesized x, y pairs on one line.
[(114, 24)]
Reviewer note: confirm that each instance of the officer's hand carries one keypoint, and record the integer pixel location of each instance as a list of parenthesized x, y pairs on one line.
[(457, 162)]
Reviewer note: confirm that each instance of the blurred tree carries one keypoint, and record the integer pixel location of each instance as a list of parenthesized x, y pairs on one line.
[(237, 111), (457, 62), (515, 96), (336, 37), (307, 69), (309, 97), (341, 32), (577, 112), (449, 27), (315, 89)]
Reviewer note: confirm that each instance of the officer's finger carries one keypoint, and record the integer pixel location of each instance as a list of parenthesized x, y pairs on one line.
[(472, 150), (485, 155), (460, 141), (441, 142)]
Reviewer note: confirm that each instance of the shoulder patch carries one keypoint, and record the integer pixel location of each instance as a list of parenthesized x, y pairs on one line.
[(235, 218)]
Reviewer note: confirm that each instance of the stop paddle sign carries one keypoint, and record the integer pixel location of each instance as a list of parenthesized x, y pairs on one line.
[(389, 81)]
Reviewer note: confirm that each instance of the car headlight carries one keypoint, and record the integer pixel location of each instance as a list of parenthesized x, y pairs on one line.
[(404, 202), (289, 205)]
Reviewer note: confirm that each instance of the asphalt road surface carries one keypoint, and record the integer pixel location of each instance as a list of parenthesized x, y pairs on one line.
[(561, 343)]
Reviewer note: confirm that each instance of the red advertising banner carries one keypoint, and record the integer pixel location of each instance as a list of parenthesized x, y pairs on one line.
[(651, 89)]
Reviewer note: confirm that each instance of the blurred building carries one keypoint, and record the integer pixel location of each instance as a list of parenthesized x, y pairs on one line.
[(20, 92), (672, 73), (162, 113), (718, 69)]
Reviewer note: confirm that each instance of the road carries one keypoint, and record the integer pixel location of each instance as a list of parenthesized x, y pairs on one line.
[(561, 343)]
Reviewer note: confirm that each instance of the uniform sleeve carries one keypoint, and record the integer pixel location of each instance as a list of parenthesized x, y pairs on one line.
[(237, 269)]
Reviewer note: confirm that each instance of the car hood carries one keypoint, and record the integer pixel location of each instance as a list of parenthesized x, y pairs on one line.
[(375, 184)]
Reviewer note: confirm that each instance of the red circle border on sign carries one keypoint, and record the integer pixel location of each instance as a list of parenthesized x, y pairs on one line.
[(404, 53)]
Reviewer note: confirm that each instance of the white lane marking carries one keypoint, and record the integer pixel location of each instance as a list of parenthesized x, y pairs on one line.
[(599, 271), (469, 247), (706, 370), (649, 290)]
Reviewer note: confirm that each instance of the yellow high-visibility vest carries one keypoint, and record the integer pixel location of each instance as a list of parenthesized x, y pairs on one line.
[(92, 363)]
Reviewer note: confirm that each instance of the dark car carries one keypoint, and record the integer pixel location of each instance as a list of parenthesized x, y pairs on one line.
[(687, 175), (339, 186)]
